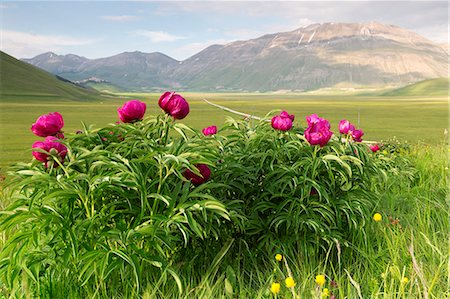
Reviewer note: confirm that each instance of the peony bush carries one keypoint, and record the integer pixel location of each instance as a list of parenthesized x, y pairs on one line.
[(130, 204)]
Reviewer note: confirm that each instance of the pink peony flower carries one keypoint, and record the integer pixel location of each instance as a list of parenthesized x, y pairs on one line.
[(174, 105), (48, 125), (209, 130), (357, 135), (313, 119), (132, 111), (286, 114), (196, 179), (318, 130), (283, 121), (53, 147), (345, 127), (375, 148)]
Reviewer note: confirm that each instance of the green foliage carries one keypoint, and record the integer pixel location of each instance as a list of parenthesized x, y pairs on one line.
[(115, 213), (293, 193), (118, 218)]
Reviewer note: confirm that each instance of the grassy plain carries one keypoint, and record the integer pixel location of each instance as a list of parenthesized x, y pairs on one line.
[(413, 119)]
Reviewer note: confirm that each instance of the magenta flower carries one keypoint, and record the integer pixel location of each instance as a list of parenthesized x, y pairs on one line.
[(196, 179), (48, 125), (53, 147), (286, 114), (357, 135), (345, 127), (375, 148), (318, 130), (132, 111), (209, 130), (313, 119), (174, 105), (283, 121)]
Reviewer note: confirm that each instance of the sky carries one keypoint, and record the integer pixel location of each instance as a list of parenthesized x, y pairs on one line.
[(95, 29)]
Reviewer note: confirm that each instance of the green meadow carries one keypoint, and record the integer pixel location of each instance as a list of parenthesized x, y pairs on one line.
[(416, 119)]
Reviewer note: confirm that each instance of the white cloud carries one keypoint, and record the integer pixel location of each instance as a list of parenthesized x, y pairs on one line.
[(24, 44), (159, 36), (123, 18)]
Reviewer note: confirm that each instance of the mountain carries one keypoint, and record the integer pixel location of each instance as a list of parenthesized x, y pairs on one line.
[(312, 57), (431, 87), (129, 70), (19, 79)]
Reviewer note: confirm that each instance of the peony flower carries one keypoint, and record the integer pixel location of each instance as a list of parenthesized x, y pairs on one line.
[(209, 130), (196, 179), (132, 111), (48, 124), (286, 114), (375, 148), (320, 279), (281, 123), (357, 135), (290, 283), (275, 288), (52, 147), (278, 257), (377, 217), (318, 130), (174, 105), (313, 119), (345, 127)]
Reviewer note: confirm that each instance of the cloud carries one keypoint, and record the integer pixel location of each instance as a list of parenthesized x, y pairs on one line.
[(123, 18), (159, 36), (24, 44), (419, 16)]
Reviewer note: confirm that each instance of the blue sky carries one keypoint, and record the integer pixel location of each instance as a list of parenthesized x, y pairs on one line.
[(180, 29)]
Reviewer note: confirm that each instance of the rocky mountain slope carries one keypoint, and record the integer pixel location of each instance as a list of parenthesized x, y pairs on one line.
[(315, 56)]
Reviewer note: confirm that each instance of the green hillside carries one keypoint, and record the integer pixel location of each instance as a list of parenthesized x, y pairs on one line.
[(431, 87), (20, 80)]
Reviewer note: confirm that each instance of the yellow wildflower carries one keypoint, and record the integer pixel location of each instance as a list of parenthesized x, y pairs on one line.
[(325, 293), (405, 280), (278, 257), (275, 288), (290, 283), (320, 279), (377, 217)]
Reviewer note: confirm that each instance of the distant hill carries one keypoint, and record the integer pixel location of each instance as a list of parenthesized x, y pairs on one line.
[(308, 58), (431, 87), (132, 71), (19, 79)]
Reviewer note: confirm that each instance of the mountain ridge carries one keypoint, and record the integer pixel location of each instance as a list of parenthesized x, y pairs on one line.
[(311, 57)]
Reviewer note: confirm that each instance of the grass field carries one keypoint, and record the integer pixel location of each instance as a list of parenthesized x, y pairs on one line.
[(414, 119)]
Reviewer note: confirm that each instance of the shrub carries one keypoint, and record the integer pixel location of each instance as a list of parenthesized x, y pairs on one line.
[(120, 210), (114, 213)]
